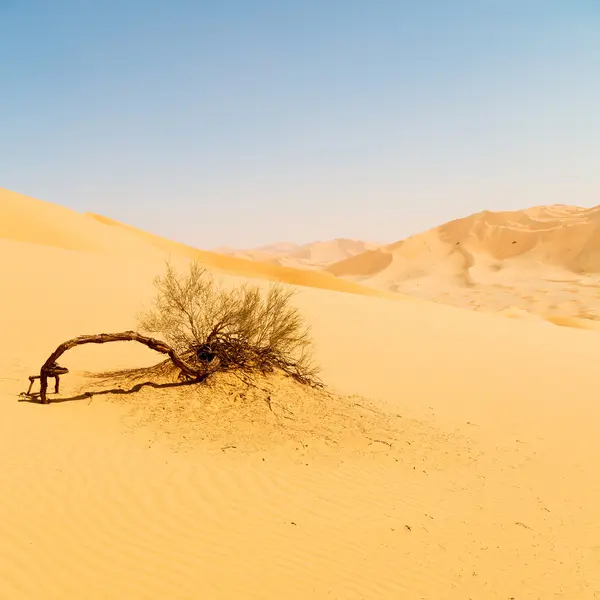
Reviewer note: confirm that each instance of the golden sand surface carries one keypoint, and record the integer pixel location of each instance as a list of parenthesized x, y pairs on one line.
[(453, 455)]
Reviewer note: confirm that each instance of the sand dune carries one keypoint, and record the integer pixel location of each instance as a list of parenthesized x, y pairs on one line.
[(545, 260), (562, 237), (455, 459), (243, 267), (25, 219), (315, 255)]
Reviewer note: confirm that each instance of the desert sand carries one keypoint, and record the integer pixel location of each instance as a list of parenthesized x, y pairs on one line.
[(455, 458), (543, 261)]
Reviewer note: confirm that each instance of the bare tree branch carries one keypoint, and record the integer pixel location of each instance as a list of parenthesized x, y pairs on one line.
[(103, 338)]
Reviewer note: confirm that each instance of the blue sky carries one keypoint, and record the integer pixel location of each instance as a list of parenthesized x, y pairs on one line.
[(242, 122)]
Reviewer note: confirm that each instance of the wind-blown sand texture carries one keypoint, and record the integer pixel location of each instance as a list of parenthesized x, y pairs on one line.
[(544, 260), (455, 458)]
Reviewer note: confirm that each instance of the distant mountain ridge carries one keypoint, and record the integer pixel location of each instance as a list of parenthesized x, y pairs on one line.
[(314, 255)]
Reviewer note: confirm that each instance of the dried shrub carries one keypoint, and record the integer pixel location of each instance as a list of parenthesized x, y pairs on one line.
[(239, 330)]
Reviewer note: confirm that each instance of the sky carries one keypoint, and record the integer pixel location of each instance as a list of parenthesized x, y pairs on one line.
[(245, 122)]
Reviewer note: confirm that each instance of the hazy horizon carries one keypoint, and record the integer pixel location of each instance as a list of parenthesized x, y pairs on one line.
[(250, 123)]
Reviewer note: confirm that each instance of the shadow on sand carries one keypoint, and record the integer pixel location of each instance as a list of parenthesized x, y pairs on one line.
[(35, 396)]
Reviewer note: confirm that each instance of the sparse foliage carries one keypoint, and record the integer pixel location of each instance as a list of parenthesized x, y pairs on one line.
[(239, 329)]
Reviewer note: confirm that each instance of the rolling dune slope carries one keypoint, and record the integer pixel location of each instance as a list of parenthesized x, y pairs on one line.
[(455, 457), (245, 267), (544, 259), (26, 219)]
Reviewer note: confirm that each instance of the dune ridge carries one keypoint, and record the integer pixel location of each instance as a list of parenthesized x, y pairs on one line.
[(544, 260), (314, 255), (34, 221), (562, 236), (245, 267)]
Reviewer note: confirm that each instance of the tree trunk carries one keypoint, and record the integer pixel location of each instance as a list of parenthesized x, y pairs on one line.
[(103, 338)]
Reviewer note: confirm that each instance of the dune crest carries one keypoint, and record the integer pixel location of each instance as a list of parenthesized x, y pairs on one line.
[(244, 267), (544, 259), (25, 219)]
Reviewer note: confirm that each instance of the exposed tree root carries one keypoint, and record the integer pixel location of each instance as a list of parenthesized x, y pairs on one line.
[(199, 373)]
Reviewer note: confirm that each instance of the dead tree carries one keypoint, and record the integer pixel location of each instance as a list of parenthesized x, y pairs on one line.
[(49, 367)]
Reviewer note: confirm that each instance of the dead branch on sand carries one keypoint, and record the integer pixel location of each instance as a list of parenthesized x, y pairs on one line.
[(48, 368)]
